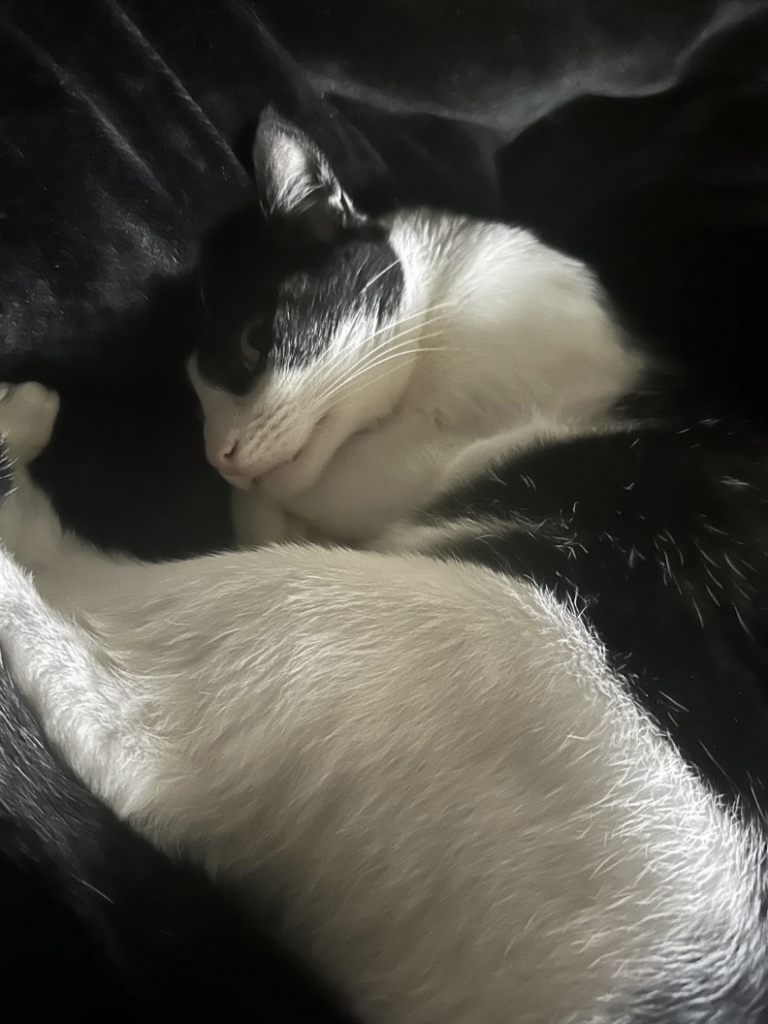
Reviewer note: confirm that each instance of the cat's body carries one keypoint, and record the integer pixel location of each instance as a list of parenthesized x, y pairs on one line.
[(462, 814), (98, 924), (658, 534), (457, 806)]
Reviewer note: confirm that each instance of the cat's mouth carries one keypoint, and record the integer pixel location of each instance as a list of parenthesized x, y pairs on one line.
[(284, 474)]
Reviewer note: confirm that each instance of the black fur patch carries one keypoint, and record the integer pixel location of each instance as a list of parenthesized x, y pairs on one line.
[(660, 535), (295, 296)]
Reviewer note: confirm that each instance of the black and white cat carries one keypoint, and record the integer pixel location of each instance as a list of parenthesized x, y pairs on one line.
[(435, 383), (464, 814), (371, 365)]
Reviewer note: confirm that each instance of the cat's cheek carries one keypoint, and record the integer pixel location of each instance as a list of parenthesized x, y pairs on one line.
[(306, 468)]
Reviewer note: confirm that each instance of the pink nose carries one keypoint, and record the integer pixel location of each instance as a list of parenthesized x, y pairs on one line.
[(224, 457)]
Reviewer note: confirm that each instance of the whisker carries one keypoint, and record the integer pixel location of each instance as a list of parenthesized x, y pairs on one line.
[(368, 358), (395, 337), (387, 344), (407, 333), (204, 300), (380, 274), (364, 365), (324, 369), (411, 316), (364, 369), (391, 370)]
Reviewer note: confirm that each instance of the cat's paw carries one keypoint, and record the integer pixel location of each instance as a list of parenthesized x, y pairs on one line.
[(27, 415), (258, 520)]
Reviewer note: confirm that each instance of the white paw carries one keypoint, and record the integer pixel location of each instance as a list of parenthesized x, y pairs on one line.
[(259, 519), (27, 415)]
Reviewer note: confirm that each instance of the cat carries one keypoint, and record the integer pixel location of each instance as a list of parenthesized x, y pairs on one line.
[(96, 922), (460, 809), (367, 365), (457, 387)]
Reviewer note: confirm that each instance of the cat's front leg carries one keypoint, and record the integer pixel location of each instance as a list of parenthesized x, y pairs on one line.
[(27, 416), (29, 526), (375, 479), (86, 708), (259, 519)]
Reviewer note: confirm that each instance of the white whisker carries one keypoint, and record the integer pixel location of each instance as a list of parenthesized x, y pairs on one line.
[(409, 331), (425, 313), (323, 369), (404, 347), (381, 273), (392, 369), (392, 343), (368, 367)]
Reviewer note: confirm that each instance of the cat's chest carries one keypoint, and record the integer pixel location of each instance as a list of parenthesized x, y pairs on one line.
[(385, 474), (377, 475)]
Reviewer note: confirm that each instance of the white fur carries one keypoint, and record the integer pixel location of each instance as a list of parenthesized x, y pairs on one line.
[(458, 812), (499, 341)]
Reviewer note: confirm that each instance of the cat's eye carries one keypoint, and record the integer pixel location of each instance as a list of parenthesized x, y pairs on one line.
[(249, 343)]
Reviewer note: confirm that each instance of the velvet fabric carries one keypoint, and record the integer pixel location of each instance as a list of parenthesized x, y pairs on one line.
[(634, 134)]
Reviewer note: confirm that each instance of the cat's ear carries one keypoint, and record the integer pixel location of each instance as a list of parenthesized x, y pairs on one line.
[(299, 191)]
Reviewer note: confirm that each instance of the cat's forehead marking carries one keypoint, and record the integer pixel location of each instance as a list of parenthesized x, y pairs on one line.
[(360, 284), (299, 308)]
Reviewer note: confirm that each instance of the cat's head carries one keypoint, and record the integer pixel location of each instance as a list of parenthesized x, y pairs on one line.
[(308, 343)]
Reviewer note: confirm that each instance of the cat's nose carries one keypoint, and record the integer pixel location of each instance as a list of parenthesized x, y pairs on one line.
[(228, 452), (224, 456)]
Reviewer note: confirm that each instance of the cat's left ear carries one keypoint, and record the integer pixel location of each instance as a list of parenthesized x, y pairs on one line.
[(299, 190)]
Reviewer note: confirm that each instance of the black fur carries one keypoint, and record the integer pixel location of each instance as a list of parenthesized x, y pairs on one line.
[(287, 275), (248, 277), (96, 924), (659, 533)]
